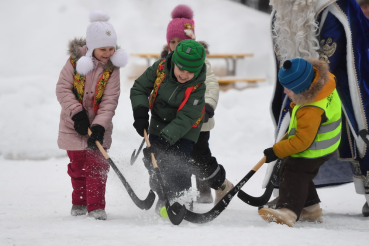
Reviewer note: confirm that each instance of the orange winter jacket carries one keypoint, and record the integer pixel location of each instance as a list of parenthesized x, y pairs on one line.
[(308, 121)]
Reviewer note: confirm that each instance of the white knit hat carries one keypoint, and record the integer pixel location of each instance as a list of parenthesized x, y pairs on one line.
[(100, 33)]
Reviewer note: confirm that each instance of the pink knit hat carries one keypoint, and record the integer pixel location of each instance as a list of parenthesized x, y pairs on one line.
[(182, 26)]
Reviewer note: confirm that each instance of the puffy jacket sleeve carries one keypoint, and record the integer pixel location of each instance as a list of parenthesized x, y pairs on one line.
[(143, 87), (308, 123), (186, 117), (212, 86), (109, 101), (64, 91)]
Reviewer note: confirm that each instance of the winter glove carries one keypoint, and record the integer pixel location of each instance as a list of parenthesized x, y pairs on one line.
[(97, 135), (159, 146), (270, 155), (141, 116), (209, 112), (81, 122)]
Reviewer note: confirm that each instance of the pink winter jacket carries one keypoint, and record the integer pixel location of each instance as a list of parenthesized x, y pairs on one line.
[(68, 138)]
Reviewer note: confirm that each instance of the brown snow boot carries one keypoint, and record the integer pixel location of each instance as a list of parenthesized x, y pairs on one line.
[(78, 210), (312, 213), (283, 216), (204, 195), (223, 190), (271, 204)]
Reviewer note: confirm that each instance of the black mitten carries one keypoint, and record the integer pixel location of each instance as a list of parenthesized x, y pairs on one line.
[(209, 112), (270, 155), (97, 135), (81, 122), (159, 146), (141, 116)]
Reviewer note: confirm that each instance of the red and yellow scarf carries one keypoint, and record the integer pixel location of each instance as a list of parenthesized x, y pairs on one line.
[(80, 82), (160, 76)]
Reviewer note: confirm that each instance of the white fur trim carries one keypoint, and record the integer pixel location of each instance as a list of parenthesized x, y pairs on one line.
[(356, 97), (359, 185), (120, 58), (98, 15), (84, 65)]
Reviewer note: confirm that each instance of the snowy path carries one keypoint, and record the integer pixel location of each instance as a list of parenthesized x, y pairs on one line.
[(35, 204)]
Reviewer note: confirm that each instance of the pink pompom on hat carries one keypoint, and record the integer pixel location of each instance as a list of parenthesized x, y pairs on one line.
[(182, 26)]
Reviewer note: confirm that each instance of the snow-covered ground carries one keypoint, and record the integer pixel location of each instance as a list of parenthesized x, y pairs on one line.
[(35, 190)]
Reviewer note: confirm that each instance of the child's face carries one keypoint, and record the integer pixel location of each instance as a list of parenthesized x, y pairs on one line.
[(289, 93), (182, 75), (103, 54), (173, 43)]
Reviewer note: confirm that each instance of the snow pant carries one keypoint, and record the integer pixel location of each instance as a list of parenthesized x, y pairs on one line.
[(296, 187), (204, 165), (174, 169), (88, 170)]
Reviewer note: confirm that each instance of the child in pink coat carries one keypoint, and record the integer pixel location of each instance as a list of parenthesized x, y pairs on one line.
[(88, 91)]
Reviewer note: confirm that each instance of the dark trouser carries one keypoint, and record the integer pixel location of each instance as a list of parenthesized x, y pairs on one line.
[(174, 168), (204, 165), (296, 188), (88, 170)]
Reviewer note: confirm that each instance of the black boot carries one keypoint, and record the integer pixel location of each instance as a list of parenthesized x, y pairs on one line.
[(365, 210)]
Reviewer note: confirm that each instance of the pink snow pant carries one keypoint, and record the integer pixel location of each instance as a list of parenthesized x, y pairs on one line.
[(88, 170)]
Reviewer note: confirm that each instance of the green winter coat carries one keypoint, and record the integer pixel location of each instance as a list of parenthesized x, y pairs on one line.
[(165, 120)]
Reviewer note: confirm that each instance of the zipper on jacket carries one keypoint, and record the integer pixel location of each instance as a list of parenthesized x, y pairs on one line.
[(173, 93)]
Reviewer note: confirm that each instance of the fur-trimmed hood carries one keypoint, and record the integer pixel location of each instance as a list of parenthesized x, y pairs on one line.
[(77, 48), (165, 50), (322, 85)]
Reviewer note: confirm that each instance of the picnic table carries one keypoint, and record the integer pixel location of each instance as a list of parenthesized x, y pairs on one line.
[(231, 59)]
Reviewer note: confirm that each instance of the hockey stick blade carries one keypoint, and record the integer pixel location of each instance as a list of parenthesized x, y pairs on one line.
[(175, 218), (223, 203), (142, 204), (133, 156), (263, 199), (257, 201), (218, 208)]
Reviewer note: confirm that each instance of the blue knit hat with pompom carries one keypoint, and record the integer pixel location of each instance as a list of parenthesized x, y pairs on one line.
[(296, 75)]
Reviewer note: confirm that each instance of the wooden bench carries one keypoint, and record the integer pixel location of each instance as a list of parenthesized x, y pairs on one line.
[(234, 80), (231, 69), (228, 83)]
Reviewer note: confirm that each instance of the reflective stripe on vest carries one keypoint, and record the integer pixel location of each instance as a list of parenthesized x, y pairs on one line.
[(329, 133)]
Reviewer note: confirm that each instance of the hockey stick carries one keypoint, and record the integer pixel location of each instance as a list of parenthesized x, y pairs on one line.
[(263, 199), (223, 203), (133, 156), (142, 204), (176, 218)]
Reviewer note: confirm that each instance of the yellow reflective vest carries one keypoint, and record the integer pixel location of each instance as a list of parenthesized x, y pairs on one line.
[(329, 133)]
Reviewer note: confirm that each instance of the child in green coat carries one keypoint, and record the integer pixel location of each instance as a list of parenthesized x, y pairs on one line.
[(173, 89)]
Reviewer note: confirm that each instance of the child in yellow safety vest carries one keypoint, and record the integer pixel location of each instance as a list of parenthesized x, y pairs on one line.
[(313, 137)]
